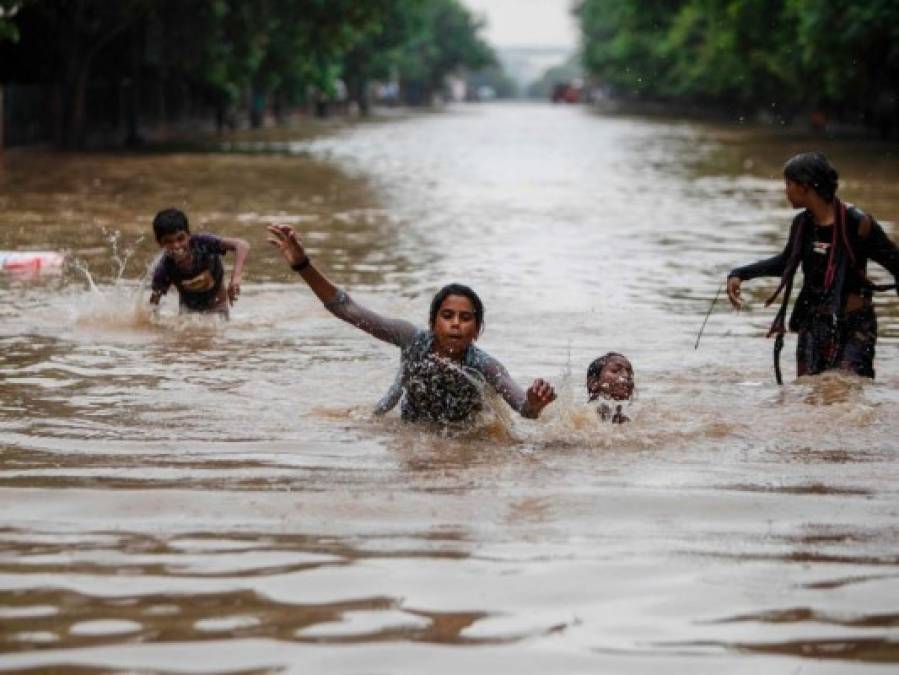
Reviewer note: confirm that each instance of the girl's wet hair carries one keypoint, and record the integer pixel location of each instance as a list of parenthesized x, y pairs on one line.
[(812, 169), (465, 292), (170, 221), (595, 368)]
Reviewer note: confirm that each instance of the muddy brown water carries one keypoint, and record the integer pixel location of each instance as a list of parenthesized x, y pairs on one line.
[(188, 495)]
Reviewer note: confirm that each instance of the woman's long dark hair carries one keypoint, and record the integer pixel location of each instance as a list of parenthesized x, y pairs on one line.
[(465, 292), (813, 170)]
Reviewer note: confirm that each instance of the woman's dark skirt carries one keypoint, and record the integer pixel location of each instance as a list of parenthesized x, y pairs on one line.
[(845, 344)]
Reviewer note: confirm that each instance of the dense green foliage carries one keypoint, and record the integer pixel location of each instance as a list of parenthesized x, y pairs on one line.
[(448, 38), (8, 30), (785, 56), (172, 57)]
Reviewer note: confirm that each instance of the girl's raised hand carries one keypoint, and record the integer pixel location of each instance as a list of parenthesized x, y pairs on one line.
[(285, 238)]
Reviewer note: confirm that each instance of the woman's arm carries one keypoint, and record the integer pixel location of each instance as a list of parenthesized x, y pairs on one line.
[(241, 248), (341, 305), (774, 266), (881, 249)]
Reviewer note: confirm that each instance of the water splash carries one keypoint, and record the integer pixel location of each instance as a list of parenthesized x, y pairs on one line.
[(123, 304), (121, 258), (115, 307)]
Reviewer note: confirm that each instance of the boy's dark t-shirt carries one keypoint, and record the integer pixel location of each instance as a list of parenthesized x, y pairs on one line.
[(198, 285)]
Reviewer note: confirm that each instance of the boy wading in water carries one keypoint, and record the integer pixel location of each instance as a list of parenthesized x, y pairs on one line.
[(193, 263), (832, 242), (611, 378), (441, 373)]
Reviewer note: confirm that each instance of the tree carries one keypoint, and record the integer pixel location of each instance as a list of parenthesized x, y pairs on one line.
[(735, 53), (780, 55), (8, 29), (79, 30), (623, 42), (447, 41), (850, 52), (379, 51), (187, 56)]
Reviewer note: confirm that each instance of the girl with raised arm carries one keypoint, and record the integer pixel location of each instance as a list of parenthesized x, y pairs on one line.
[(442, 373)]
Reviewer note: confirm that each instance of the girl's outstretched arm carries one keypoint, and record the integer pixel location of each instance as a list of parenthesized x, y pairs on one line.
[(526, 403), (341, 305)]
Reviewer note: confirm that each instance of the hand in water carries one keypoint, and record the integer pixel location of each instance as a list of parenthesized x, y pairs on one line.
[(285, 238), (233, 290), (153, 306), (733, 292), (540, 394)]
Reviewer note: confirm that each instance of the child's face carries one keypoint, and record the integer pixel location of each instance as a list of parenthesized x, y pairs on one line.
[(176, 244), (455, 327), (615, 381)]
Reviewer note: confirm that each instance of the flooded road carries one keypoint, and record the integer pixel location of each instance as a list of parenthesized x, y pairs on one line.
[(186, 495)]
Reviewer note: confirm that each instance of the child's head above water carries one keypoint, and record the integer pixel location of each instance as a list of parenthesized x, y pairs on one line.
[(169, 223), (611, 376)]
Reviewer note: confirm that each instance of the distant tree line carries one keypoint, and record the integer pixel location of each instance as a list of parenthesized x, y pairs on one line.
[(838, 58), (126, 61)]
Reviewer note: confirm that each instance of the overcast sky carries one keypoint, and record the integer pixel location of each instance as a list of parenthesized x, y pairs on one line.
[(527, 23)]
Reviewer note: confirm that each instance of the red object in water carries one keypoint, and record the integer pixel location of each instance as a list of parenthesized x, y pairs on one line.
[(566, 92), (31, 261)]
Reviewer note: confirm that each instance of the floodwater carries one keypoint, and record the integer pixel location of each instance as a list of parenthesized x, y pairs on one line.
[(182, 494)]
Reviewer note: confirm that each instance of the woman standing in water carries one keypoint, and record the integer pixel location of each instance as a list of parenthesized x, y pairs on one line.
[(441, 371), (834, 313)]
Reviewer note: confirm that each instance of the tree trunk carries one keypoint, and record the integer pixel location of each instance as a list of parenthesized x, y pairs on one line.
[(356, 81), (257, 109), (73, 98), (321, 106), (358, 89), (132, 101), (81, 38), (162, 113), (278, 108), (79, 104)]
